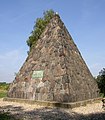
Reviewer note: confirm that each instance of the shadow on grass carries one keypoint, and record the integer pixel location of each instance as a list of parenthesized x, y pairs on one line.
[(6, 116), (18, 113)]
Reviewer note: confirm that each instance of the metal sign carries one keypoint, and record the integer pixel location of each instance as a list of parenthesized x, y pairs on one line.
[(37, 74)]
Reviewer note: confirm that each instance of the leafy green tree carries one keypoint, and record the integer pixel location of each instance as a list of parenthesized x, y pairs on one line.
[(48, 15), (39, 27), (101, 81)]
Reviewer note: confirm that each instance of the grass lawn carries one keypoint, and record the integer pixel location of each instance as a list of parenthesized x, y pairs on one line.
[(3, 93), (3, 89)]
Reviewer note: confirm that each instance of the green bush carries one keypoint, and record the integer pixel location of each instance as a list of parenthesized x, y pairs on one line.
[(3, 89)]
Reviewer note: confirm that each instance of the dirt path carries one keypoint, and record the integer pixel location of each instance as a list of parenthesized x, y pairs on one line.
[(34, 112)]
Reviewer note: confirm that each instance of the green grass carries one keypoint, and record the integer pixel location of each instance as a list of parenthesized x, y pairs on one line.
[(4, 86), (3, 94)]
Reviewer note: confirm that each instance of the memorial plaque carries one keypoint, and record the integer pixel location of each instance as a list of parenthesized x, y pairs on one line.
[(37, 74)]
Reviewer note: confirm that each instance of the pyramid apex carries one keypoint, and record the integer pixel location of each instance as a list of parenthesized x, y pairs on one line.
[(56, 13)]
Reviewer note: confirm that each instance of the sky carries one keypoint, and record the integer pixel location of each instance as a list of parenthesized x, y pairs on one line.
[(84, 19)]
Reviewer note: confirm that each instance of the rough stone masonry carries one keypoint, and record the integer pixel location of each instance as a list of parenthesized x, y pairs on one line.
[(54, 69)]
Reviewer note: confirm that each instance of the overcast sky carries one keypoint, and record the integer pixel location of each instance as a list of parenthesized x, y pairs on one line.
[(84, 19)]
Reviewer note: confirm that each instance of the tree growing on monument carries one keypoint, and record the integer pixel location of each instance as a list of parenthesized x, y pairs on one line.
[(39, 27)]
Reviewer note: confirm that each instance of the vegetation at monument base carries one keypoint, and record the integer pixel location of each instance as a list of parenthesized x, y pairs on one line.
[(101, 82), (39, 27), (3, 89), (3, 93)]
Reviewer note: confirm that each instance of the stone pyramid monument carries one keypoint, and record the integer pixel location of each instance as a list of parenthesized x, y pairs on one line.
[(54, 69)]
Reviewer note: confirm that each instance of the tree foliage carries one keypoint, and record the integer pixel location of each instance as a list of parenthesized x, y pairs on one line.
[(101, 81), (39, 27)]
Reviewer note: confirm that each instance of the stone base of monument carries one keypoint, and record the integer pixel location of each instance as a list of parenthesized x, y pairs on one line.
[(54, 103)]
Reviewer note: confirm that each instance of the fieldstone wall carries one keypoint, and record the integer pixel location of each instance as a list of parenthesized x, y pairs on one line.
[(66, 77)]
